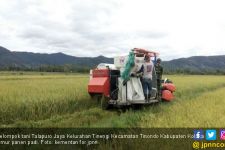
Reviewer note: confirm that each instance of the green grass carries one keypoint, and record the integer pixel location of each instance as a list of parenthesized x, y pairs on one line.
[(61, 100)]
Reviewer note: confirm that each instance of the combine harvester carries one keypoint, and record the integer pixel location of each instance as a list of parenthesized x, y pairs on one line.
[(119, 84)]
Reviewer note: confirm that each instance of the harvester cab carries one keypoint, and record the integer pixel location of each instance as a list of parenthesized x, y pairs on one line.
[(120, 84)]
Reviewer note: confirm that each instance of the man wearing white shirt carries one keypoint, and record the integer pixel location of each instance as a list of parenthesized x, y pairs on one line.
[(147, 77)]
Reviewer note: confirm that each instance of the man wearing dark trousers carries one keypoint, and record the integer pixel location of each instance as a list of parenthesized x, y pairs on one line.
[(159, 72), (147, 77)]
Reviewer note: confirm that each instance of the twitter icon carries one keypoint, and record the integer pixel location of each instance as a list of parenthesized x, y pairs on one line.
[(210, 135)]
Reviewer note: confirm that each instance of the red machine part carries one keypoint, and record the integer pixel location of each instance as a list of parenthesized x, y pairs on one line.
[(167, 95), (100, 73), (169, 86), (99, 83), (144, 51)]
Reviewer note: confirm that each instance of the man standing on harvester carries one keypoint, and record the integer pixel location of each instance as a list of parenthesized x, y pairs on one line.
[(159, 72), (147, 77)]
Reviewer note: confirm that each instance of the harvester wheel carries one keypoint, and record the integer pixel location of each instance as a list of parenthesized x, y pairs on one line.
[(104, 103)]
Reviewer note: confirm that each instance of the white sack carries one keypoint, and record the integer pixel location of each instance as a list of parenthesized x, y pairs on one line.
[(134, 90)]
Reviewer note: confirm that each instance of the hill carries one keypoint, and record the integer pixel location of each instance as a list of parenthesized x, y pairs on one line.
[(28, 59), (194, 64)]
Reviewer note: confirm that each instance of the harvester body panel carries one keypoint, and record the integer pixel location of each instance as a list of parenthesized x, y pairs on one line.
[(99, 83)]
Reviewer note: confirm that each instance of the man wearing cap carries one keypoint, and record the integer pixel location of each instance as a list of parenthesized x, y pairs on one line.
[(159, 72)]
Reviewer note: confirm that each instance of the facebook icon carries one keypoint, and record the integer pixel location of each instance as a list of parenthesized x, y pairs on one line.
[(198, 135)]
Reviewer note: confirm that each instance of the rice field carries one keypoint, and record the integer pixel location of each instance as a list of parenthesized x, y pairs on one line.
[(61, 100)]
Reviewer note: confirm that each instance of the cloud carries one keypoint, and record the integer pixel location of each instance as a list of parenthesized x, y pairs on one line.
[(91, 28)]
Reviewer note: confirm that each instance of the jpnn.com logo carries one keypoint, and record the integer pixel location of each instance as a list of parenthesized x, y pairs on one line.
[(198, 135)]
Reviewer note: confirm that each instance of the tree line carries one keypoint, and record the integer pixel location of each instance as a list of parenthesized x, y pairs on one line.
[(48, 68), (86, 69), (196, 72)]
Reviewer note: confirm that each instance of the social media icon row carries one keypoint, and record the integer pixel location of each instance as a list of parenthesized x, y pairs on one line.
[(210, 135)]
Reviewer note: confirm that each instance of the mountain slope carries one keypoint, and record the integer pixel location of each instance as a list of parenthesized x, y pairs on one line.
[(8, 58), (28, 59), (197, 63)]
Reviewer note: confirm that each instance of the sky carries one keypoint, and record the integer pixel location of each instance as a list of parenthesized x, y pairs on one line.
[(174, 28)]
